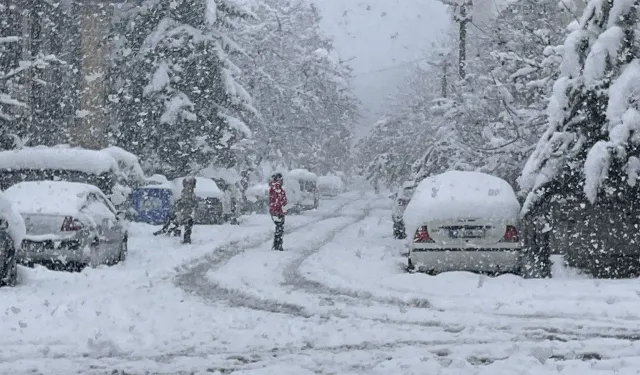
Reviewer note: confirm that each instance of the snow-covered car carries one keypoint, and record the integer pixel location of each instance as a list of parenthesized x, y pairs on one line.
[(12, 232), (228, 180), (308, 181), (330, 185), (210, 200), (257, 198), (60, 163), (68, 224), (464, 221), (401, 199)]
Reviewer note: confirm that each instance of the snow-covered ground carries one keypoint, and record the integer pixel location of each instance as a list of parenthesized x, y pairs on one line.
[(337, 301)]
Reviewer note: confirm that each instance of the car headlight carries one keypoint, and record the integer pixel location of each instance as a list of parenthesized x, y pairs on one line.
[(4, 224)]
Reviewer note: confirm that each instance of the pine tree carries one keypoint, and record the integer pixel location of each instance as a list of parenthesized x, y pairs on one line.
[(175, 92), (585, 166), (301, 91)]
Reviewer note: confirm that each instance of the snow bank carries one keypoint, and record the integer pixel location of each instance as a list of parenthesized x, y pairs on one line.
[(49, 197), (205, 188), (11, 216), (75, 159), (302, 174), (455, 194)]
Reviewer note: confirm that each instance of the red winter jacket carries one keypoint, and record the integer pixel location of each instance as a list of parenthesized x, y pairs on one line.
[(277, 199)]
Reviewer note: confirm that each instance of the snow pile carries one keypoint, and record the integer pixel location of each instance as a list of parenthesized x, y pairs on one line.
[(205, 188), (302, 174), (75, 159), (330, 185), (10, 215), (454, 195), (49, 197)]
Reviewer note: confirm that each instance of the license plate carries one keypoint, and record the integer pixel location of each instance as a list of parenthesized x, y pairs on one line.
[(466, 233)]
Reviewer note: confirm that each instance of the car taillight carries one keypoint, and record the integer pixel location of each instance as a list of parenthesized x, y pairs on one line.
[(511, 234), (71, 224), (422, 235)]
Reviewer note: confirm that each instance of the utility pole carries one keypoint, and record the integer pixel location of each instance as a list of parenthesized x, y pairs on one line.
[(462, 15)]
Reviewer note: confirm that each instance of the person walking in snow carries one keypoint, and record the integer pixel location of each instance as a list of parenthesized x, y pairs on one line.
[(186, 207), (277, 202)]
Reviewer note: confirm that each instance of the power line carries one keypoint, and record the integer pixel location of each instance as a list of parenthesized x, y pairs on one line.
[(391, 67)]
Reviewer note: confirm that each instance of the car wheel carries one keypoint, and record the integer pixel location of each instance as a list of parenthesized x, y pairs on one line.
[(410, 266)]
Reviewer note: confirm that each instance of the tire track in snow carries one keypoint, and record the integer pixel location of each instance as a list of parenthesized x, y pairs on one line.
[(295, 279), (192, 278)]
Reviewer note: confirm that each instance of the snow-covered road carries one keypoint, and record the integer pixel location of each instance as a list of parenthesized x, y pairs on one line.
[(337, 301)]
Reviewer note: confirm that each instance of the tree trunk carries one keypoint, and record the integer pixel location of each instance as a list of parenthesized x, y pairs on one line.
[(462, 52)]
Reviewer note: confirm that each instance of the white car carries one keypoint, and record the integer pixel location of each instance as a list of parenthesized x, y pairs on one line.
[(308, 182), (464, 221), (69, 225)]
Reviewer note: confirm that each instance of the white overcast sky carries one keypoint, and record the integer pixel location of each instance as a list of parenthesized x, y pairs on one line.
[(380, 34)]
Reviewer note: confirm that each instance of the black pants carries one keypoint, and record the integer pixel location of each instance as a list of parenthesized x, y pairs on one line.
[(277, 239), (188, 227)]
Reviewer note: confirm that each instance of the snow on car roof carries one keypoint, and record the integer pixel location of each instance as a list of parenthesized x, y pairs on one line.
[(158, 181), (75, 159), (50, 197), (230, 176), (302, 174), (205, 188), (127, 162), (10, 214), (461, 195)]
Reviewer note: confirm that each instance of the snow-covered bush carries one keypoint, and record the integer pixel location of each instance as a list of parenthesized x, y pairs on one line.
[(176, 96)]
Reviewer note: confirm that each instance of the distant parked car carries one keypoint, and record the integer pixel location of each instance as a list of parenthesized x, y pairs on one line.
[(401, 199), (330, 185), (257, 198), (464, 221), (11, 233), (152, 202), (308, 181), (69, 225), (210, 210)]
